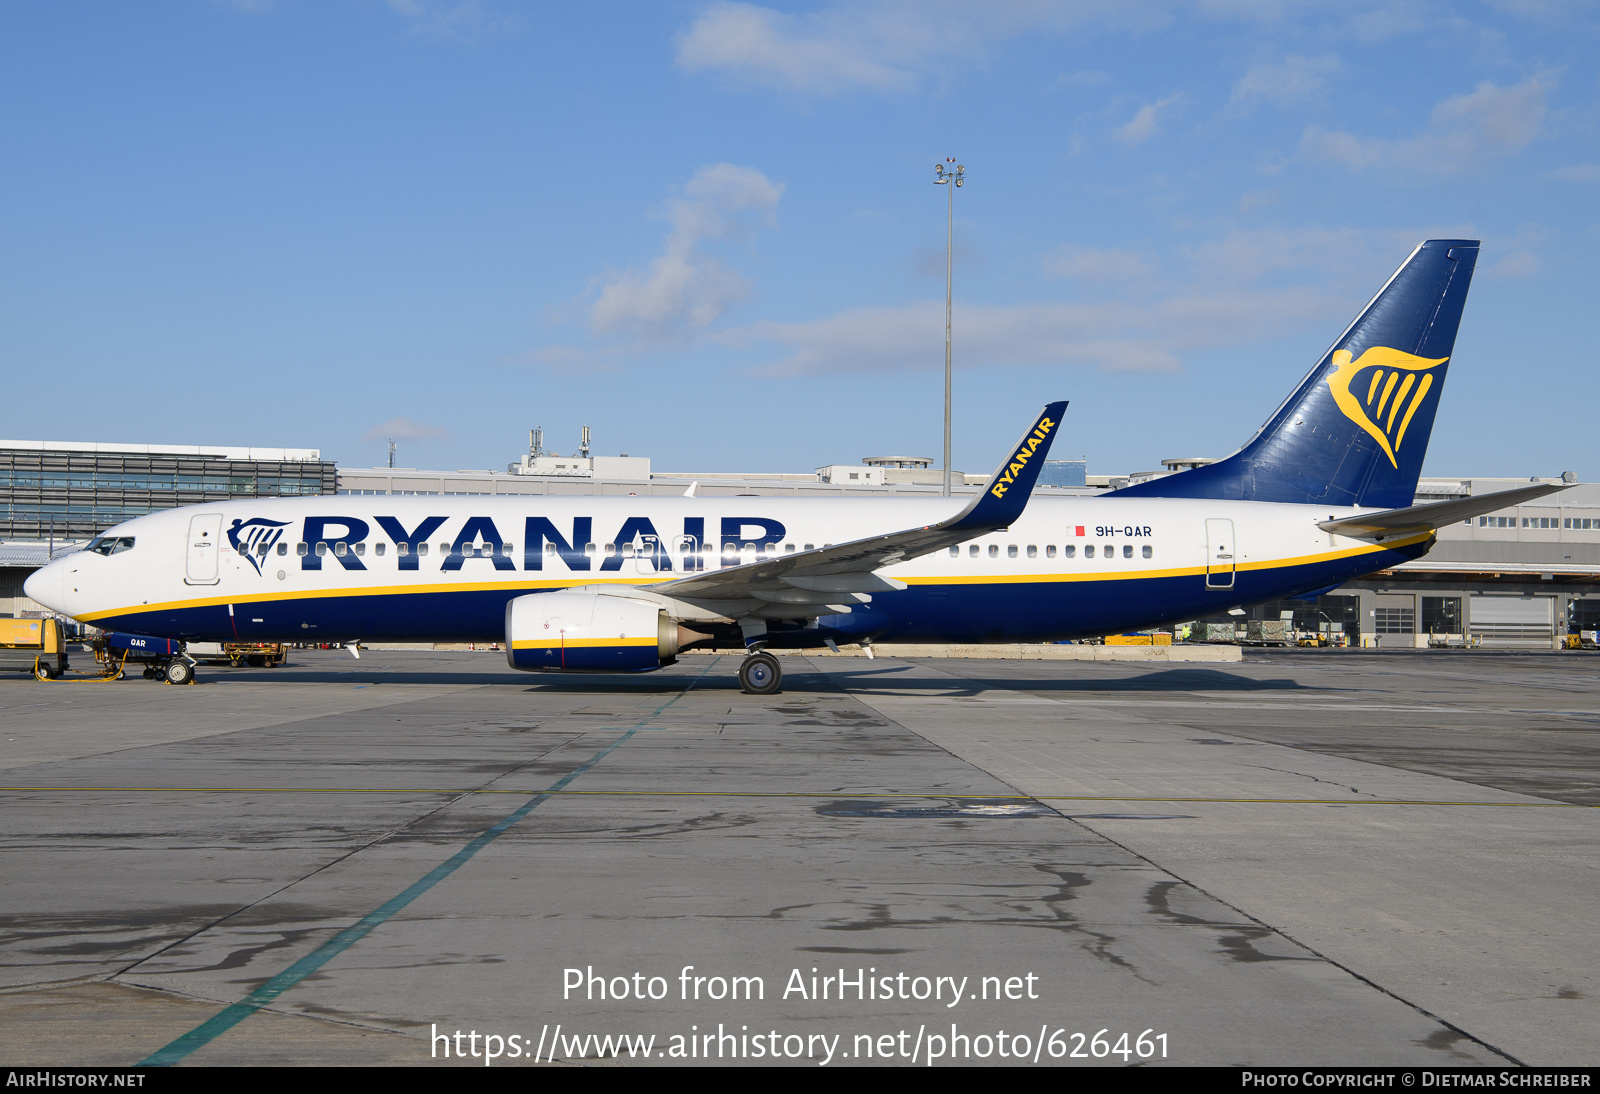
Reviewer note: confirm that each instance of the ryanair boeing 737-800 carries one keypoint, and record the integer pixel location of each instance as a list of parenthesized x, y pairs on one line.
[(1320, 495)]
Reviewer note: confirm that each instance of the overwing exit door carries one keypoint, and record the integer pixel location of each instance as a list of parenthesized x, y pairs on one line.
[(204, 532), (1221, 552)]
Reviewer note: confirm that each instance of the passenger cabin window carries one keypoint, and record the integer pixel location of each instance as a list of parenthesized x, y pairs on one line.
[(1033, 552), (422, 549), (1011, 550), (550, 550), (955, 551), (809, 547), (1088, 550), (589, 549), (283, 548), (322, 549), (300, 549), (788, 548), (1050, 551), (994, 550), (1069, 550), (402, 549), (1147, 551), (339, 549), (1127, 550), (973, 550), (444, 548), (1108, 550), (378, 549), (611, 549)]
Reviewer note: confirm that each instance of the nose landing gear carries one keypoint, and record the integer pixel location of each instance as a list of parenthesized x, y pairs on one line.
[(760, 674)]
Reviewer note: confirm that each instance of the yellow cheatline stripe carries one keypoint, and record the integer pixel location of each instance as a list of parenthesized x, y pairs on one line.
[(1188, 571), (382, 590), (581, 643), (567, 583), (935, 794)]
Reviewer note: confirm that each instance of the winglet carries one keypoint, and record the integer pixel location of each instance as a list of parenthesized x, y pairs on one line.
[(1006, 493)]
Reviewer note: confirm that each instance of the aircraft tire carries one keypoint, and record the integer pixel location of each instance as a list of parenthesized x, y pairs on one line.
[(760, 674), (178, 672)]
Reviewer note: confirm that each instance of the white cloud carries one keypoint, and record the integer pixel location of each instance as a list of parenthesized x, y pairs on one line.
[(1294, 79), (685, 290), (1578, 172), (1120, 336), (447, 18), (1464, 132), (404, 429), (1088, 264), (786, 51), (1147, 122), (1252, 200), (878, 45), (1233, 290)]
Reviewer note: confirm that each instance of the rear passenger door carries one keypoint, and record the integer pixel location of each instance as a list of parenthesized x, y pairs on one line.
[(1221, 554)]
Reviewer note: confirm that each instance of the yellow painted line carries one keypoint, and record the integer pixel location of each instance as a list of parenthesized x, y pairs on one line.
[(937, 794), (524, 585)]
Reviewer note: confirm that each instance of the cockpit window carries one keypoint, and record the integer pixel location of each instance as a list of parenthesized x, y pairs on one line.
[(110, 545)]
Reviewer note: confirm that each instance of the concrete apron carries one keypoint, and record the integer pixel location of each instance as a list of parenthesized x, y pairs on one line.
[(1481, 913)]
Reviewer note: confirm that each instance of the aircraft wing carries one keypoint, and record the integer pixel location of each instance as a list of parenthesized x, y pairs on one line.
[(1435, 514), (819, 581)]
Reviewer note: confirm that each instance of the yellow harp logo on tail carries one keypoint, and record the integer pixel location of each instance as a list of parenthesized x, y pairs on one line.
[(1375, 404)]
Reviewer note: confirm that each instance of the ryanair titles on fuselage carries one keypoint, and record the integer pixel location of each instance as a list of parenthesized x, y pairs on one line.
[(335, 540)]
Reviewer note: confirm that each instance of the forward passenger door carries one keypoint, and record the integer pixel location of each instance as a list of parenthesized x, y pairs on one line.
[(204, 532)]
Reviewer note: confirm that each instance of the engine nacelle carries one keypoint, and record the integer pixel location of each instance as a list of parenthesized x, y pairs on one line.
[(588, 631)]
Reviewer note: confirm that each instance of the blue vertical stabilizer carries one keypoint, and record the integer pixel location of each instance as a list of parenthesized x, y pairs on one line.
[(1354, 432)]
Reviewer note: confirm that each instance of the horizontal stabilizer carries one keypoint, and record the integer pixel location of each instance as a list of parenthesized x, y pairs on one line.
[(1435, 514)]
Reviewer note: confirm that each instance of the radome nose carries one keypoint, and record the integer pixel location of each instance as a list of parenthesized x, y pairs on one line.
[(43, 586)]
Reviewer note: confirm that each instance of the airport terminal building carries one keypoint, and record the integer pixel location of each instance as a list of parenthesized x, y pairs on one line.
[(55, 495), (1521, 578)]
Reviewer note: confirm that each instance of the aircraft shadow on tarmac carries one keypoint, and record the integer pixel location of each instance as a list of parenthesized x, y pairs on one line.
[(721, 677)]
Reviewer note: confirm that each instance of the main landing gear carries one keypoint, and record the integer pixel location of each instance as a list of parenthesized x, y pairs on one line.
[(760, 674)]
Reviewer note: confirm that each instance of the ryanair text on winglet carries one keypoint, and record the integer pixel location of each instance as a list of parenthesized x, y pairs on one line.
[(1039, 435)]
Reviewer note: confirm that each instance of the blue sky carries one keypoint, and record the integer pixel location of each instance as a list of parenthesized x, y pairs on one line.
[(709, 231)]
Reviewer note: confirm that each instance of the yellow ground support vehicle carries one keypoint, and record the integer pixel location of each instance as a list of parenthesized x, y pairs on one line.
[(258, 655), (37, 645)]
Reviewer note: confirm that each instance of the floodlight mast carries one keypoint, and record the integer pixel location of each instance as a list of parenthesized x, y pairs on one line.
[(945, 177)]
